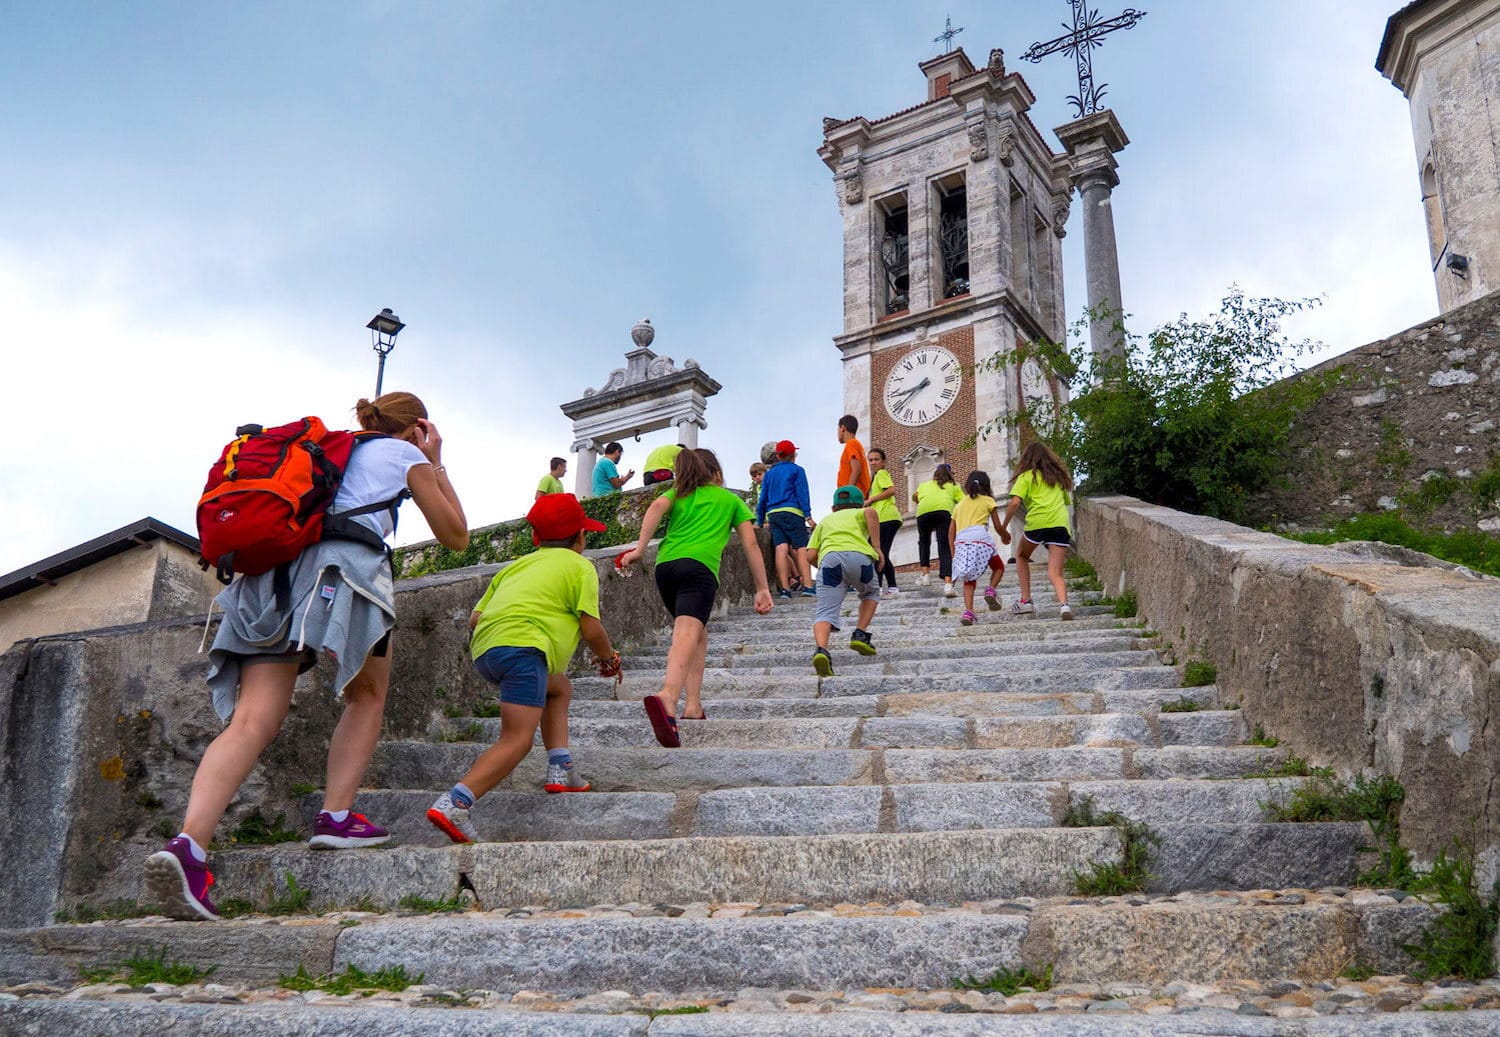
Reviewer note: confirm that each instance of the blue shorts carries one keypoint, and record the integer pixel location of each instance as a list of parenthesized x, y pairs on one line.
[(788, 528), (521, 674)]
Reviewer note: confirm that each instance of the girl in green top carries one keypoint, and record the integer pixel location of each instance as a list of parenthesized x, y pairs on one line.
[(1043, 485), (883, 500), (704, 516), (935, 499)]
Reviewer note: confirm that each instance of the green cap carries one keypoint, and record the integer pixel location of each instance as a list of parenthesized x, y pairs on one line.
[(848, 497)]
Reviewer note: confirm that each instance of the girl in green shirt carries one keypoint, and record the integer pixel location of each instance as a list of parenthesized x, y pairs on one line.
[(935, 499), (883, 500), (704, 516), (1043, 485)]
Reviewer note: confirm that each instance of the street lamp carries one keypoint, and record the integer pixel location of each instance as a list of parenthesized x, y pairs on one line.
[(384, 327)]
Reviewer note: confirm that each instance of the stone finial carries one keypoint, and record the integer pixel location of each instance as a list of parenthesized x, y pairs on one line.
[(642, 333), (829, 123), (997, 61)]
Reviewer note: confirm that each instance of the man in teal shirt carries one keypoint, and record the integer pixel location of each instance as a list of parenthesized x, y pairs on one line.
[(607, 477)]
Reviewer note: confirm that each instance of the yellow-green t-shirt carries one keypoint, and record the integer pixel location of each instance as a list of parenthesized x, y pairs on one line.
[(932, 497), (1046, 506), (886, 510), (535, 602), (549, 484), (842, 531), (701, 524), (663, 457), (973, 511)]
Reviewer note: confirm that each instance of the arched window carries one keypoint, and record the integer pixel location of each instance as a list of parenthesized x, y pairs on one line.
[(1432, 205)]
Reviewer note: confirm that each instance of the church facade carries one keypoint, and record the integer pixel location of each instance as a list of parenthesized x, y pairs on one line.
[(953, 214)]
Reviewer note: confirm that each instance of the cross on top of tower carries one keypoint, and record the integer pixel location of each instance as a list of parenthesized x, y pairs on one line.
[(946, 36), (1087, 32)]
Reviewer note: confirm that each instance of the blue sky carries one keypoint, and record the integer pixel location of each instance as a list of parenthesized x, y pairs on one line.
[(201, 205)]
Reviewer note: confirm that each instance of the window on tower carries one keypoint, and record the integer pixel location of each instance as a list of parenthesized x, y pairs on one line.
[(895, 253), (953, 235)]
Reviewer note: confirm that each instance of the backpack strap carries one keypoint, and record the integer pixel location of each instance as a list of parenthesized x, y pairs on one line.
[(339, 527)]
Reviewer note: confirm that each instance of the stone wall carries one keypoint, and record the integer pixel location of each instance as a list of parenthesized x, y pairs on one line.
[(100, 731), (1353, 660), (1411, 423)]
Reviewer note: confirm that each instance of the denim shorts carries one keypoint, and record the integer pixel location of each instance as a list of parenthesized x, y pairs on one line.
[(521, 674), (787, 527)]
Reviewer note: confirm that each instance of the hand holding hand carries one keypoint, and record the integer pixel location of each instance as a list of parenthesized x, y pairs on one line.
[(428, 441), (763, 602), (1005, 536)]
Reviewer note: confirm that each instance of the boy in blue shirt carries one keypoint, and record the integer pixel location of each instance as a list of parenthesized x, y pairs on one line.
[(784, 507)]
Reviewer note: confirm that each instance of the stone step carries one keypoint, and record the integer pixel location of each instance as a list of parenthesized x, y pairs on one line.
[(916, 731), (425, 765), (993, 663), (947, 867), (534, 816), (939, 624), (953, 654), (866, 680), (1194, 939)]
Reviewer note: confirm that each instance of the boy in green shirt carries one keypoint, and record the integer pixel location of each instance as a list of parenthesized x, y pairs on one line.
[(525, 630), (843, 551), (552, 481)]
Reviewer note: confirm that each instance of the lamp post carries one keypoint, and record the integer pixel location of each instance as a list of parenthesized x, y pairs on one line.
[(384, 327)]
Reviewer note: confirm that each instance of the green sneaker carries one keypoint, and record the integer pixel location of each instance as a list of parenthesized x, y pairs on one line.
[(822, 663), (859, 641)]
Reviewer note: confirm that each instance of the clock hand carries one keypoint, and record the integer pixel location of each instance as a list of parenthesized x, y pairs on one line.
[(924, 383)]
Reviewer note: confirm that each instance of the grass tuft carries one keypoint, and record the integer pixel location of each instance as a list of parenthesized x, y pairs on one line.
[(112, 912), (1181, 705), (1126, 605), (1263, 740), (255, 830), (1292, 767), (1008, 982), (304, 788), (679, 1010), (1115, 878), (416, 903), (145, 968), (352, 980), (1197, 673), (468, 733), (293, 902), (1461, 941)]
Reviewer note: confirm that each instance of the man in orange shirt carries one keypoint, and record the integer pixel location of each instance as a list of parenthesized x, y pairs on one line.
[(854, 470)]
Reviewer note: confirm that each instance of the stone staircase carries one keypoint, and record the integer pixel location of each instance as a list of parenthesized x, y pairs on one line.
[(820, 857)]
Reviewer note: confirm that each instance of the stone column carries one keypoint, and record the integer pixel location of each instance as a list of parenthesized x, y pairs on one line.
[(687, 432), (1092, 143), (585, 453)]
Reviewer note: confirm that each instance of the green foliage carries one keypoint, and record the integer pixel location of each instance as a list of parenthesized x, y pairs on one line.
[(1479, 551), (255, 830), (352, 980), (1198, 674), (235, 907), (1194, 415), (424, 904), (293, 901), (1357, 971), (1292, 767), (1430, 494), (1394, 453), (1376, 800), (112, 911), (1461, 941), (304, 788), (1126, 605), (147, 968), (1008, 982), (679, 1010), (468, 733), (1114, 878), (1263, 740), (1180, 705)]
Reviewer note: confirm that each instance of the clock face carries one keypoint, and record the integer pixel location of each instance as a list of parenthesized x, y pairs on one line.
[(923, 385)]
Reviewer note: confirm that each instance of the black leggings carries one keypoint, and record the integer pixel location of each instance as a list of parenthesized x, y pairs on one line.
[(935, 522), (888, 532)]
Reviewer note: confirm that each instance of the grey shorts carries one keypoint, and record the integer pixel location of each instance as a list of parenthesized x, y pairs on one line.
[(838, 573)]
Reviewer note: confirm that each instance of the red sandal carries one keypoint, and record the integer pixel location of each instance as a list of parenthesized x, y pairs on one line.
[(662, 722)]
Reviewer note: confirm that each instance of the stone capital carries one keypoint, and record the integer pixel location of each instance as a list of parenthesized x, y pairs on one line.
[(580, 445)]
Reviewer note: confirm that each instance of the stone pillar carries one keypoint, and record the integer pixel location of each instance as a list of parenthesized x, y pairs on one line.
[(1092, 143), (687, 432), (585, 453)]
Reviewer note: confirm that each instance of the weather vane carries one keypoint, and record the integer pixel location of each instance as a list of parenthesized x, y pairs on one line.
[(946, 37), (1087, 32)]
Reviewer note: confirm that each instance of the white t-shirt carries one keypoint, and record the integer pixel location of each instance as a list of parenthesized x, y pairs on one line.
[(377, 472)]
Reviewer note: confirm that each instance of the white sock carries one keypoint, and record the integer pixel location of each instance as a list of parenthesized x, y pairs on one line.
[(199, 854), (338, 815)]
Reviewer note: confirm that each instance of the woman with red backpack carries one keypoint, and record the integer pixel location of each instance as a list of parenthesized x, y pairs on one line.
[(337, 597)]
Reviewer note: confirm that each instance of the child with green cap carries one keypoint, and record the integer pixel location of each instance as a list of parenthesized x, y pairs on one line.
[(844, 552)]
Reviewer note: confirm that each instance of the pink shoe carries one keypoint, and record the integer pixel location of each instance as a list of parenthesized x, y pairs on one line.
[(179, 885), (351, 833), (969, 619)]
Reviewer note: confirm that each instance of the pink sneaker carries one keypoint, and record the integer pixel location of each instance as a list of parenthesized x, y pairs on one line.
[(969, 619), (352, 833), (179, 885)]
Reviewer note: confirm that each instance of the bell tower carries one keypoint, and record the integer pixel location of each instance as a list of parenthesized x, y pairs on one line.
[(953, 212)]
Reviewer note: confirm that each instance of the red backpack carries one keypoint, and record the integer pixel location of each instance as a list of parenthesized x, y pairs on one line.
[(267, 497)]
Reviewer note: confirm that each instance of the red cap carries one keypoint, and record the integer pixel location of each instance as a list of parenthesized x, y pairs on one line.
[(559, 516), (786, 447)]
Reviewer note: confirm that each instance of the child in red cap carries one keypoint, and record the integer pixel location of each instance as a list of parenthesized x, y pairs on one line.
[(525, 630)]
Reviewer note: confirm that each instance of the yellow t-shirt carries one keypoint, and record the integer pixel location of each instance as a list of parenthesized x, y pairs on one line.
[(1046, 506), (932, 497), (663, 457), (973, 511), (535, 602), (549, 484), (886, 510), (842, 531)]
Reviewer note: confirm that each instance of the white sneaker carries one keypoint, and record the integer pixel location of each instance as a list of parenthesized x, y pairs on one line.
[(452, 820), (950, 591), (924, 579), (1021, 608), (895, 592), (1064, 611)]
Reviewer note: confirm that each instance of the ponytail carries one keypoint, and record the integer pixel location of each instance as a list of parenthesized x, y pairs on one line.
[(393, 413), (695, 468)]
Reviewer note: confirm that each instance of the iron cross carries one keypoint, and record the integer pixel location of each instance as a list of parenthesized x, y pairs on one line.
[(946, 37), (1087, 32)]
